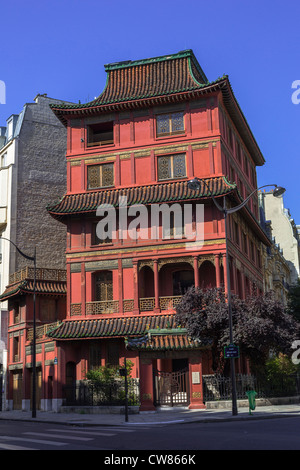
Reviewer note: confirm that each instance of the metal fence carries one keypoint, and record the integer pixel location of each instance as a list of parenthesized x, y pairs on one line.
[(102, 394), (219, 387)]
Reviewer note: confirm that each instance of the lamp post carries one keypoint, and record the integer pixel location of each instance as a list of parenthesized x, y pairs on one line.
[(31, 258), (195, 185)]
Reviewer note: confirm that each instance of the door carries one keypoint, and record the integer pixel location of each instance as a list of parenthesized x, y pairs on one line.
[(70, 388), (38, 387), (17, 390), (171, 388)]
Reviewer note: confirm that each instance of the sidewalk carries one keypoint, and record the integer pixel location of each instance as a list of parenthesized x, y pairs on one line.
[(158, 417)]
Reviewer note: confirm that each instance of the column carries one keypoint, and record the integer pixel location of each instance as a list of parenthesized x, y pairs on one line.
[(120, 285), (196, 271), (226, 274), (218, 272), (156, 286), (146, 384), (136, 308), (196, 383), (68, 303), (83, 289)]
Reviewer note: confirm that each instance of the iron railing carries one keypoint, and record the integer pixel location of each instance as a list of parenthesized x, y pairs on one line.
[(102, 394), (218, 387)]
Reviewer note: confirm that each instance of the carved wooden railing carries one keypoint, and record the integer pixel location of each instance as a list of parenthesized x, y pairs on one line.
[(41, 330), (41, 274), (169, 302), (146, 304), (102, 306)]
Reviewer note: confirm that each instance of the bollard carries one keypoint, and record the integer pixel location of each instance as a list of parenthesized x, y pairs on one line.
[(251, 394)]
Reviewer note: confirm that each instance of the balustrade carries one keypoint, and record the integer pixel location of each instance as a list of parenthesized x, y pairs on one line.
[(146, 304), (102, 306), (41, 330)]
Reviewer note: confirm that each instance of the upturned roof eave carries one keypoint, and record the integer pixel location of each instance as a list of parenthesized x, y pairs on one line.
[(222, 85)]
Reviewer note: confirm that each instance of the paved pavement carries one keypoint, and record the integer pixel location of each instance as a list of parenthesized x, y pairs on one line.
[(162, 416)]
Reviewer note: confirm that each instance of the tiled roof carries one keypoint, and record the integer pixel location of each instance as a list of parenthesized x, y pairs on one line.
[(113, 326), (159, 80), (147, 78), (150, 194), (163, 342), (42, 287), (150, 332)]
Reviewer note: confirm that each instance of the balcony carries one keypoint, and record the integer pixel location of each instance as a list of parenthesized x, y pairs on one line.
[(41, 274), (41, 330), (146, 304)]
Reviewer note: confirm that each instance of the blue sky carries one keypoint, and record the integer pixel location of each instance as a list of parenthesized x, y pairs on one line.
[(60, 48)]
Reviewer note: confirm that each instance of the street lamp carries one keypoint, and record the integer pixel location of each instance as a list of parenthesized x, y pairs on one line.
[(31, 258), (195, 185)]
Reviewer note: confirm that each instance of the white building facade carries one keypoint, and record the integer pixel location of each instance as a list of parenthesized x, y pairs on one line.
[(284, 231)]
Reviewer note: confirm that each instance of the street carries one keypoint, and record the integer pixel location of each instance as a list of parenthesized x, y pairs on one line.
[(265, 434)]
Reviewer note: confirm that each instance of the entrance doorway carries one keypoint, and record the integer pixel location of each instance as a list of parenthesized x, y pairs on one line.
[(172, 388), (17, 390)]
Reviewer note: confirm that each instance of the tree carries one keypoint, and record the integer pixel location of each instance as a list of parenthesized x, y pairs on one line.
[(260, 324), (294, 300)]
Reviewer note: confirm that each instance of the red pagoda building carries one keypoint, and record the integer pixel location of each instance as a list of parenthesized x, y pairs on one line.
[(158, 123)]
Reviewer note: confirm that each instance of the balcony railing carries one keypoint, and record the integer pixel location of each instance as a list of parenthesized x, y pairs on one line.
[(41, 274), (102, 306), (41, 330), (169, 302), (146, 304)]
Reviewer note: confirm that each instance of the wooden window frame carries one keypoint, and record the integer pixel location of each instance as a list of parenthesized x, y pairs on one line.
[(171, 157), (171, 132), (100, 166), (91, 133)]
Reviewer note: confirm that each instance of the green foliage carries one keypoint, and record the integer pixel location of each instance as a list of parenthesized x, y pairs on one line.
[(108, 384), (260, 324), (280, 375), (107, 374), (279, 366)]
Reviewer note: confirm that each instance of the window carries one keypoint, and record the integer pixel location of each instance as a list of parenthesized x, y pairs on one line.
[(100, 134), (3, 160), (16, 349), (100, 176), (173, 227), (245, 244), (95, 355), (172, 166), (182, 281), (113, 352), (103, 286), (236, 233), (48, 309), (95, 239), (168, 124), (16, 313)]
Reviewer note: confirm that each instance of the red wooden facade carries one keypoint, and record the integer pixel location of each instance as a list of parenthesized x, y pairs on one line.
[(50, 311), (158, 123)]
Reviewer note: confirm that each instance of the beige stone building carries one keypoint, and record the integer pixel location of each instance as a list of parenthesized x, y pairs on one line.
[(284, 231)]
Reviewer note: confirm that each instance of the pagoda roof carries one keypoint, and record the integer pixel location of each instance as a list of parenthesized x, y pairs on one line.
[(147, 332), (27, 287), (160, 80), (175, 191), (146, 78)]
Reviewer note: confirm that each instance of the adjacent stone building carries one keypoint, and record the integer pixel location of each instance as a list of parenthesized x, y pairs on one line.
[(284, 231), (32, 174)]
